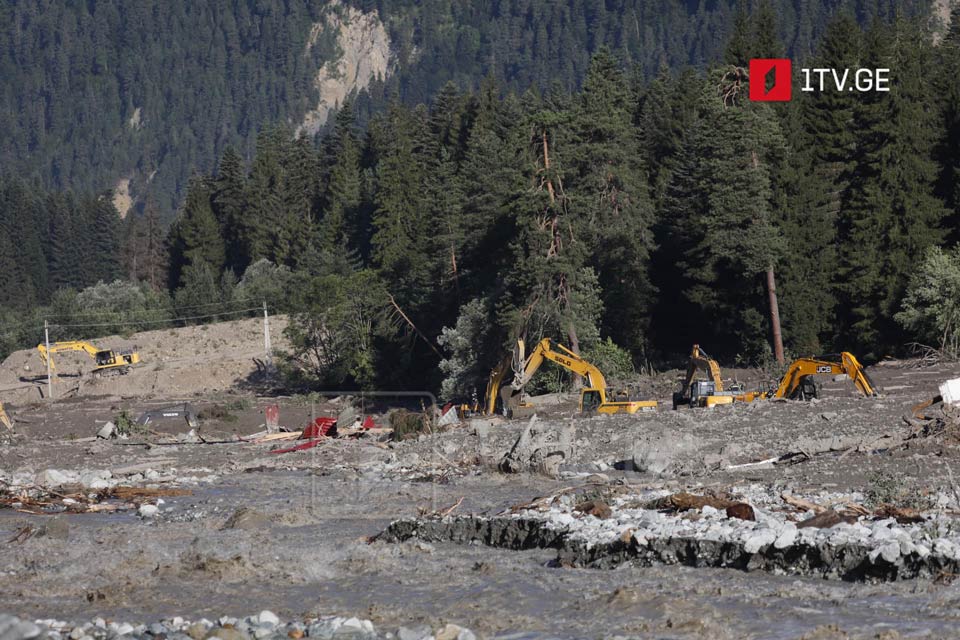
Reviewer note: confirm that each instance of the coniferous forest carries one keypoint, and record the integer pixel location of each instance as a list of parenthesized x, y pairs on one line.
[(624, 197)]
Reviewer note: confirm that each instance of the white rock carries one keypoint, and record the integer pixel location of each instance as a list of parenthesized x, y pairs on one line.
[(148, 510), (890, 552), (787, 537), (107, 431), (124, 628), (52, 478), (758, 539), (352, 623), (268, 617)]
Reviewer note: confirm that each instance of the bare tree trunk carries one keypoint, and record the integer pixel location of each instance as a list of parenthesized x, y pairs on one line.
[(546, 165), (774, 315), (571, 328)]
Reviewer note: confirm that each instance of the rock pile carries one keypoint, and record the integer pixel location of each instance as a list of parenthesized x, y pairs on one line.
[(263, 626), (864, 549)]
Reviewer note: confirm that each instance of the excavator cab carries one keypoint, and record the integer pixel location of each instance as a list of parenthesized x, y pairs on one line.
[(590, 400)]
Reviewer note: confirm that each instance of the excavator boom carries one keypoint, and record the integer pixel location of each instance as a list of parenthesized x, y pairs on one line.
[(494, 382), (795, 383), (594, 393)]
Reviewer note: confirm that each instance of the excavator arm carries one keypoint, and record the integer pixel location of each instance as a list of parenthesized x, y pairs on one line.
[(792, 385), (700, 361), (494, 382), (592, 396), (565, 358)]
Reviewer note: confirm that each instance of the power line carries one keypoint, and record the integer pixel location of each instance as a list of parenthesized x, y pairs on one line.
[(164, 321), (183, 308)]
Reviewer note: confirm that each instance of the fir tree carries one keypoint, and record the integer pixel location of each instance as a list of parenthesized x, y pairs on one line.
[(195, 236), (890, 214), (607, 192)]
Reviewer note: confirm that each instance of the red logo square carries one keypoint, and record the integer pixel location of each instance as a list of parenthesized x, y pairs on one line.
[(763, 70)]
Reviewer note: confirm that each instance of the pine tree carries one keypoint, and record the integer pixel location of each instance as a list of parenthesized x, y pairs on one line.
[(555, 292), (739, 47), (491, 175), (766, 39), (340, 211), (64, 254), (102, 260), (195, 236), (229, 202), (947, 92), (732, 240), (890, 215), (609, 197), (401, 228)]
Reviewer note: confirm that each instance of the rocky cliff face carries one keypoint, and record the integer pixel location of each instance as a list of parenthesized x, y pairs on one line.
[(365, 54)]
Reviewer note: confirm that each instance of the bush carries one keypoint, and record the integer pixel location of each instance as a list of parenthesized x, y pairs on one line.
[(121, 307), (931, 307), (463, 366), (332, 343), (614, 362), (264, 281)]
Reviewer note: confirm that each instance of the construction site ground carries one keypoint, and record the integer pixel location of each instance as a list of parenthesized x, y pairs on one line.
[(292, 532)]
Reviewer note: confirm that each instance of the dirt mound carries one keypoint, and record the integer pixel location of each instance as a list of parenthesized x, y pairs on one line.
[(174, 362)]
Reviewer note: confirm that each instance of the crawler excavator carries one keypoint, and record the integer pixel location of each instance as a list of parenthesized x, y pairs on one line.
[(594, 396), (798, 382), (708, 393), (108, 362)]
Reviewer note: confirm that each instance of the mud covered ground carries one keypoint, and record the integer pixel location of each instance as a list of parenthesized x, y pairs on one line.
[(291, 532)]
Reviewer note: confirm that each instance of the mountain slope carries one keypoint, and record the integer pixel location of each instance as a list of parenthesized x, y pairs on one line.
[(135, 97)]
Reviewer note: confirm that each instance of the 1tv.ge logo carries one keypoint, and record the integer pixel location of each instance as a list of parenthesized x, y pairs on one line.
[(771, 79)]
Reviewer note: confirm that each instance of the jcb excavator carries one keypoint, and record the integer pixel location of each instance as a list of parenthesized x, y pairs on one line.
[(108, 362), (593, 396), (798, 383), (707, 393)]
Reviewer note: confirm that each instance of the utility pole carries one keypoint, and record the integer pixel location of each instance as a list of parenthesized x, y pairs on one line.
[(266, 338), (46, 340)]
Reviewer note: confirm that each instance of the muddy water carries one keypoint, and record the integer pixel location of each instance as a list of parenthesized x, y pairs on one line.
[(309, 555)]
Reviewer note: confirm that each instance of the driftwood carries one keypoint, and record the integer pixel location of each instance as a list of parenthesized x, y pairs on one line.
[(805, 450), (684, 501)]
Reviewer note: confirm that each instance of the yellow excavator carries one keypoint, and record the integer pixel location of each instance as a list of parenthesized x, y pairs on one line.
[(593, 396), (708, 393), (108, 362), (798, 382)]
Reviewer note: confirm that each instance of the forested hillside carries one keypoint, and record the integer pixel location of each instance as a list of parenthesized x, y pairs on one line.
[(136, 96), (625, 215)]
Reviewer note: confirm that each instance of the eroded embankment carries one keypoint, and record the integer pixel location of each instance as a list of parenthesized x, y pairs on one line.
[(812, 554)]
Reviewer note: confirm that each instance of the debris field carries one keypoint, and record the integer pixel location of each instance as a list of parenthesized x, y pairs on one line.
[(344, 517)]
